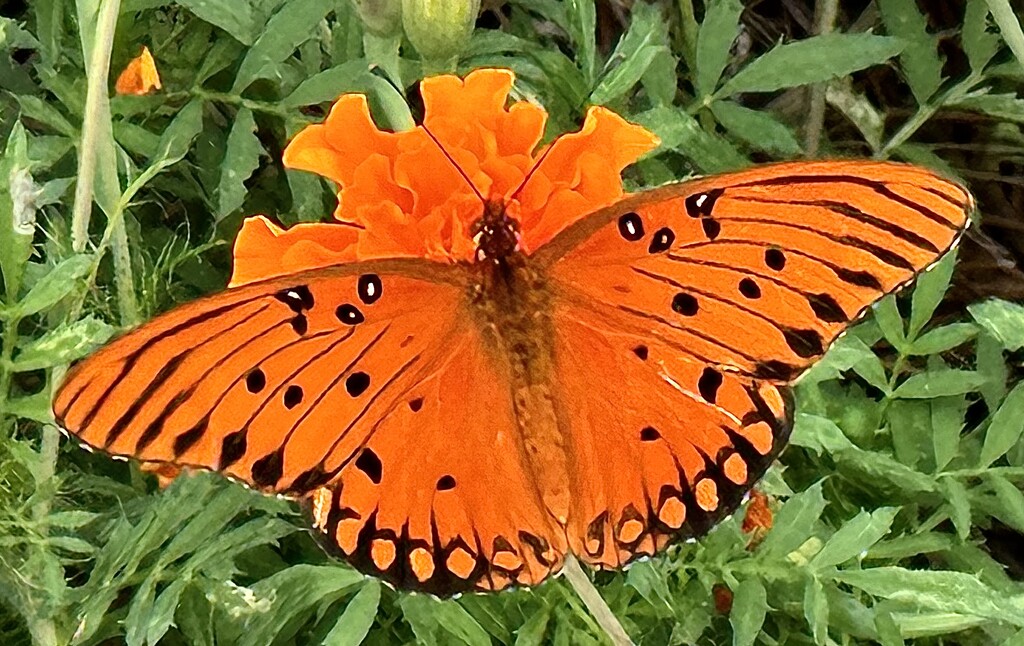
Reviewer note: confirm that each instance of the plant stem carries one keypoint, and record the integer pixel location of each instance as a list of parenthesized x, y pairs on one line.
[(96, 90), (592, 599), (824, 22)]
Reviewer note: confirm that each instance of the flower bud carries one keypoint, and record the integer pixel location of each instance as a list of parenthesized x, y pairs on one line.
[(438, 29), (381, 17)]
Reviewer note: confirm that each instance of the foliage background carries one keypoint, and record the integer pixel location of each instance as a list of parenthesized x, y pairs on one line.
[(899, 510)]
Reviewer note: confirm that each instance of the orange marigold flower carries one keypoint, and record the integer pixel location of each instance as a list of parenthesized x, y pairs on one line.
[(140, 76), (419, 193)]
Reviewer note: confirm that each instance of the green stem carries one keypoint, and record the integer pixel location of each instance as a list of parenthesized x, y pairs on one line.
[(96, 91), (592, 599), (925, 112)]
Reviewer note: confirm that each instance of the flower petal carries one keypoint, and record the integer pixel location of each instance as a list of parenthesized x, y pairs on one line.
[(338, 146), (264, 250), (469, 119), (585, 164)]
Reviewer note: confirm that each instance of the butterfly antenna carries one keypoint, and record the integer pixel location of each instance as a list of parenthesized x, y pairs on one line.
[(529, 174), (454, 163)]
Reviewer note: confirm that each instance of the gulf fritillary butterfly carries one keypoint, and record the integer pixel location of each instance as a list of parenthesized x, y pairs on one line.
[(467, 393)]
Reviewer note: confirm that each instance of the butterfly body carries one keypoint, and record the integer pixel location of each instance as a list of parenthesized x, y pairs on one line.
[(465, 426)]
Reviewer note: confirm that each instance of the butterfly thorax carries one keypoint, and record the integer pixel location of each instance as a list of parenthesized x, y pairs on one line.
[(512, 303)]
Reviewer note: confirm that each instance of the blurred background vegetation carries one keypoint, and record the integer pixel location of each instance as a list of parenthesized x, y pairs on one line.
[(898, 508)]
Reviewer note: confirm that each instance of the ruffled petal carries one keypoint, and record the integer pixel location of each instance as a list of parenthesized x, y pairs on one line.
[(338, 146), (469, 119), (264, 250), (585, 163)]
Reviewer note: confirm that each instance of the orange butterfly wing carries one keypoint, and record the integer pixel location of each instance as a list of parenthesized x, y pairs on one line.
[(682, 312), (361, 384)]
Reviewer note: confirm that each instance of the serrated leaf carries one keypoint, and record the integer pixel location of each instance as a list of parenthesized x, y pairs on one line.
[(812, 60), (1005, 429), (623, 77), (749, 606), (236, 17), (855, 537), (60, 281), (943, 338), (679, 131), (927, 385), (979, 42), (920, 57), (1010, 500), (714, 40), (354, 624), (795, 521), (938, 590), (758, 129), (819, 434), (63, 344), (929, 289), (293, 24), (241, 158), (1003, 319), (879, 471)]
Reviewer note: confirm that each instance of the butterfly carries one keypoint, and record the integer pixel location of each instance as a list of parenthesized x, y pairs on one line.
[(533, 376)]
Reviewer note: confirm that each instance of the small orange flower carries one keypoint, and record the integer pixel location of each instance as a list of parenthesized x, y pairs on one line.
[(418, 193), (758, 518), (140, 76)]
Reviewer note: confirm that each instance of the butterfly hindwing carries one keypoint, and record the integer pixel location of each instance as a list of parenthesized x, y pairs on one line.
[(684, 312)]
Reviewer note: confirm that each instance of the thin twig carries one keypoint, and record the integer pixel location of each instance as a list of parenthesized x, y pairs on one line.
[(594, 602), (96, 92), (824, 22)]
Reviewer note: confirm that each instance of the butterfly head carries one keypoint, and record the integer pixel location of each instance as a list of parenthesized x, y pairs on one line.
[(496, 233)]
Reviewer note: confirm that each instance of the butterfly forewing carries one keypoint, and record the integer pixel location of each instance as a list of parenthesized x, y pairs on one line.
[(759, 271), (682, 312)]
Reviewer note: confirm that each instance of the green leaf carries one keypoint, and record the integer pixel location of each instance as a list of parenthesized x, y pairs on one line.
[(855, 537), (816, 609), (959, 506), (927, 385), (60, 281), (1004, 107), (714, 40), (624, 76), (812, 60), (749, 606), (236, 17), (329, 84), (1005, 320), (758, 129), (1010, 501), (887, 315), (582, 26), (943, 338), (532, 632), (910, 545), (354, 624), (1009, 26), (1005, 429), (931, 286), (881, 472), (293, 24), (63, 344), (427, 616), (938, 590), (795, 522), (978, 41), (947, 415), (920, 58), (241, 158), (679, 131), (818, 434)]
